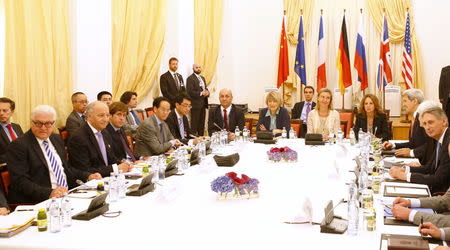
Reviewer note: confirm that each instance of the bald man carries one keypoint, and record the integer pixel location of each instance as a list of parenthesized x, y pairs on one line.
[(226, 116), (90, 147), (199, 93)]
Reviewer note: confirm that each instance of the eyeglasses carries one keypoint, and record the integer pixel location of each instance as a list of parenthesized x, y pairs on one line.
[(46, 124), (186, 105)]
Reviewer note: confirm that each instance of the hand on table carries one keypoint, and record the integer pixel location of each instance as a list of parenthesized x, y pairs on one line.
[(427, 228), (58, 192), (401, 213)]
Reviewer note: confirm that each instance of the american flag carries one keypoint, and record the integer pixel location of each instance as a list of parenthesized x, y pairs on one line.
[(407, 71), (384, 75)]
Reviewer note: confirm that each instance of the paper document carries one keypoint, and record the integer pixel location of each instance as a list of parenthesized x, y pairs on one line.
[(13, 221), (406, 190)]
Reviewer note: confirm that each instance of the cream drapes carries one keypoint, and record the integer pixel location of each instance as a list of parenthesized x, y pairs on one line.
[(293, 9), (138, 31), (208, 17), (396, 14), (38, 59)]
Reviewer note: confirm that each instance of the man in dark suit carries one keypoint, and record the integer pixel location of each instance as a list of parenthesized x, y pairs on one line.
[(178, 122), (226, 116), (105, 96), (444, 89), (171, 82), (153, 136), (77, 118), (10, 131), (436, 173), (132, 122), (119, 143), (4, 208), (199, 93), (411, 99), (301, 111), (90, 147), (38, 160)]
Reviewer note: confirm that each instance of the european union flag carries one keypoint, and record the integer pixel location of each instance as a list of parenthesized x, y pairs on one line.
[(300, 63)]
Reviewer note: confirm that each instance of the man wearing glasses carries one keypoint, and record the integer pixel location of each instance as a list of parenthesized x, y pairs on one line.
[(77, 117), (153, 135), (39, 168)]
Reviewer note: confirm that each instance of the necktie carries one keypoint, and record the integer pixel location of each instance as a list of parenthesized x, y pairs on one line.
[(411, 128), (101, 145), (56, 167), (308, 109), (176, 81), (83, 116), (136, 118), (126, 146), (438, 151), (180, 122), (225, 119), (161, 131), (11, 132)]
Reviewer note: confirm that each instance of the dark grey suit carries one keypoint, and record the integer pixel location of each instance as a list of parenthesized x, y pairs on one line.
[(282, 120), (73, 122), (235, 118), (169, 87), (3, 202), (149, 139)]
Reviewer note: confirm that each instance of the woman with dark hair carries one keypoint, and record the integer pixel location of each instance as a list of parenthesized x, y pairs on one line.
[(371, 118)]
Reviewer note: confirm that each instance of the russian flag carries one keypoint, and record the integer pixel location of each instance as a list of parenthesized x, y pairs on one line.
[(360, 56), (321, 69)]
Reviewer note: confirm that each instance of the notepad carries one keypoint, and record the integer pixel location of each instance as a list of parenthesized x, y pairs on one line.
[(14, 223), (404, 191), (83, 194)]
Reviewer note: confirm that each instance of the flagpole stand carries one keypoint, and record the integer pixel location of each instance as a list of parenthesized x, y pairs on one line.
[(283, 93)]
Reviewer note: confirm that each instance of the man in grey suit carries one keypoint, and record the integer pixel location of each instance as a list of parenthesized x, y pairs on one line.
[(153, 136), (77, 117), (132, 120)]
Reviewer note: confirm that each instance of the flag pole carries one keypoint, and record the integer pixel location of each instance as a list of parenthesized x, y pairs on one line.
[(364, 90), (283, 84), (344, 86), (301, 84)]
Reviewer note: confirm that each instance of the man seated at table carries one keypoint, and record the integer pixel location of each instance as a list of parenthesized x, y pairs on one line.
[(301, 109), (77, 117), (226, 116), (10, 130), (39, 168), (90, 147), (4, 209), (436, 173), (119, 143), (178, 122), (153, 136)]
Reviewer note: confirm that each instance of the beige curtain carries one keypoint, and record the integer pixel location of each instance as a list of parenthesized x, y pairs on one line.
[(396, 14), (293, 11), (208, 17), (138, 31), (38, 62)]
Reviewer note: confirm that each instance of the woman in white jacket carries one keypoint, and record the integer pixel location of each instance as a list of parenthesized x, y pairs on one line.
[(324, 119)]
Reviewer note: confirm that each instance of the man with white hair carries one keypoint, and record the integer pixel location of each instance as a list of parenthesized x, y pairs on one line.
[(38, 166), (199, 93), (90, 147)]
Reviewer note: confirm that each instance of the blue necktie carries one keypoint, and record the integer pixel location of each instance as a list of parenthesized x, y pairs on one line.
[(180, 121), (136, 118), (101, 145), (57, 168)]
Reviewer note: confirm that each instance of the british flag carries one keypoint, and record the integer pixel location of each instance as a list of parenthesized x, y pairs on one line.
[(407, 71), (384, 74)]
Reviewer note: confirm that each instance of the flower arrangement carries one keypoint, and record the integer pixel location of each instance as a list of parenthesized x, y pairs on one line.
[(284, 153), (230, 186)]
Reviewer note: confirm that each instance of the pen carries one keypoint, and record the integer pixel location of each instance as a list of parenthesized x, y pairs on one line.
[(22, 210)]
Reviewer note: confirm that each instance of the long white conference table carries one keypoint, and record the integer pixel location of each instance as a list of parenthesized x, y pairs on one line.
[(183, 212)]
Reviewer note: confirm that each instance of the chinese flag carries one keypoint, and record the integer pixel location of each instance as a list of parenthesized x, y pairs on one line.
[(283, 63)]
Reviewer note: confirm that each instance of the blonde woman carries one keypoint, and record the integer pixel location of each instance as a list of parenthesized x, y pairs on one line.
[(324, 119), (274, 118)]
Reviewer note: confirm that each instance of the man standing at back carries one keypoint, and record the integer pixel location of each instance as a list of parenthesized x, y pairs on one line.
[(302, 109), (77, 118), (171, 82), (11, 131), (199, 93)]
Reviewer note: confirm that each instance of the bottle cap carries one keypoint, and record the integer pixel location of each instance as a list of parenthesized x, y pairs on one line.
[(41, 210)]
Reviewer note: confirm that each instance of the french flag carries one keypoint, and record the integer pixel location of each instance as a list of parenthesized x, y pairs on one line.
[(384, 74), (321, 70), (360, 56)]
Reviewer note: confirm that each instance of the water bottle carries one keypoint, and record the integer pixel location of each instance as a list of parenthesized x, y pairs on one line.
[(283, 133), (202, 150), (291, 133), (353, 217), (223, 137), (245, 133), (340, 136), (122, 183), (55, 216), (162, 168), (237, 133), (360, 135), (352, 137), (113, 188), (66, 211)]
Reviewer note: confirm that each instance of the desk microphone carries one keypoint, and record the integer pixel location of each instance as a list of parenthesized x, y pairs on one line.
[(217, 126), (332, 223)]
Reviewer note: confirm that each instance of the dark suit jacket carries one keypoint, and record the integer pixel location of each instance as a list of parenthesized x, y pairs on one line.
[(30, 180), (282, 120), (444, 86), (116, 143), (437, 179), (85, 154), (174, 126), (4, 141), (417, 138), (235, 118), (379, 122), (194, 89), (298, 108), (3, 201), (169, 86), (73, 122)]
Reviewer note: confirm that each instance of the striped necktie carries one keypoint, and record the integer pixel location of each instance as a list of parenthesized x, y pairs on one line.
[(56, 168)]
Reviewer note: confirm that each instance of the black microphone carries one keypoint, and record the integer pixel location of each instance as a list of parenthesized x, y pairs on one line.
[(332, 223)]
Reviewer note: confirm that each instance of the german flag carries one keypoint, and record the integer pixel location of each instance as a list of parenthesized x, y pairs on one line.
[(343, 60)]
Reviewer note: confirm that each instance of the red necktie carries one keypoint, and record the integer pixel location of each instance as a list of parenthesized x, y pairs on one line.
[(225, 119), (11, 132)]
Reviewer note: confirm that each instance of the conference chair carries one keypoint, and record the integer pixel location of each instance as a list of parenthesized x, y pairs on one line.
[(349, 116), (149, 111), (296, 124), (344, 127)]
